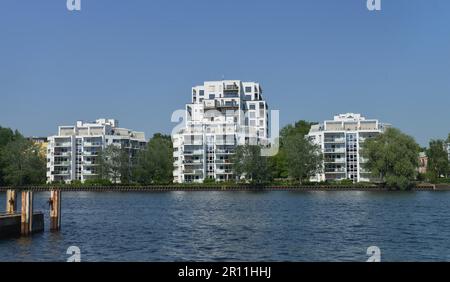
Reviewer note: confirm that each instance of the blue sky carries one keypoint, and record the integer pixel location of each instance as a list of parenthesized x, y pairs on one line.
[(136, 61)]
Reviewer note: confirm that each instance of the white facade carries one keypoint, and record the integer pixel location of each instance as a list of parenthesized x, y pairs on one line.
[(221, 115), (340, 140), (73, 153), (448, 151)]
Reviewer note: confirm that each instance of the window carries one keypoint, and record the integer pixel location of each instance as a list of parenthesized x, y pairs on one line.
[(212, 96), (248, 89), (252, 106), (202, 92)]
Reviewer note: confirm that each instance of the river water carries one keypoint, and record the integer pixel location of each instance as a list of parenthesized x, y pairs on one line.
[(241, 226)]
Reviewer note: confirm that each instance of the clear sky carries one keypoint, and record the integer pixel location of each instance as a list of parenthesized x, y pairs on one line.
[(136, 61)]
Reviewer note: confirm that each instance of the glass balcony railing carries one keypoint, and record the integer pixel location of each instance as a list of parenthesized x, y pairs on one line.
[(336, 150), (63, 144)]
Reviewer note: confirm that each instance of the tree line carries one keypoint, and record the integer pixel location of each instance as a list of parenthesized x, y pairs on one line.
[(152, 165), (21, 161), (392, 158)]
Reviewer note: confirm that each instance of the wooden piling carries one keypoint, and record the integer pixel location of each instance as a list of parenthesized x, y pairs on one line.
[(11, 201), (27, 213), (55, 210)]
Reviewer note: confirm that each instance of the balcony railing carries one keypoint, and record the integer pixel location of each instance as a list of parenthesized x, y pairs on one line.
[(63, 144), (338, 161), (223, 162), (339, 150), (194, 152), (334, 140), (92, 144), (62, 154), (193, 171), (336, 170), (61, 163), (224, 171), (60, 173), (231, 87), (193, 161), (219, 151)]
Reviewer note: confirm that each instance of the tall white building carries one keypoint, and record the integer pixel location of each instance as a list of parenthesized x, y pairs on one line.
[(448, 151), (73, 153), (340, 140), (221, 115)]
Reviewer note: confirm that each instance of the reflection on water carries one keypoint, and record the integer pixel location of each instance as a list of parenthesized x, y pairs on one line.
[(241, 226)]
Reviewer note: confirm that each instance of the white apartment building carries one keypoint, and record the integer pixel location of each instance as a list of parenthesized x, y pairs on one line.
[(221, 115), (340, 140), (73, 153), (448, 151)]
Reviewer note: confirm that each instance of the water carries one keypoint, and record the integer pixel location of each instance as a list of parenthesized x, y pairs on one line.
[(241, 226)]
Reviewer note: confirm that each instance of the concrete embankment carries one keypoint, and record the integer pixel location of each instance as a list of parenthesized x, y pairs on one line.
[(218, 187), (10, 225)]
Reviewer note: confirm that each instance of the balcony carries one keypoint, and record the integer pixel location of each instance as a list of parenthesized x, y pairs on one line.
[(224, 152), (88, 172), (336, 161), (85, 153), (92, 144), (335, 170), (334, 140), (66, 163), (193, 162), (64, 173), (223, 162), (224, 171), (228, 105), (193, 171), (62, 154), (337, 150), (63, 144), (222, 142), (231, 87), (193, 153)]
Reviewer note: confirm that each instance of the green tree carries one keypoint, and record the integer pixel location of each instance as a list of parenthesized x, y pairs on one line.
[(6, 136), (303, 158), (393, 157), (22, 163), (248, 163), (438, 165), (115, 164), (279, 162), (155, 163)]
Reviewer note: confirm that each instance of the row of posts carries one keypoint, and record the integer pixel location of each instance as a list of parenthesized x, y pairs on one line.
[(27, 209)]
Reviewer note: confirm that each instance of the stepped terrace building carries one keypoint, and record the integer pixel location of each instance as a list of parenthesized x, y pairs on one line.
[(73, 153), (340, 140), (221, 115)]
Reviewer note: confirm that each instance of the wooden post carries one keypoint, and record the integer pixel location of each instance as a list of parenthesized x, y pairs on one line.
[(27, 213), (11, 201), (55, 210)]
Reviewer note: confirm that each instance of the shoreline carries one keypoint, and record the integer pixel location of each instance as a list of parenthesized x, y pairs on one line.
[(193, 188)]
